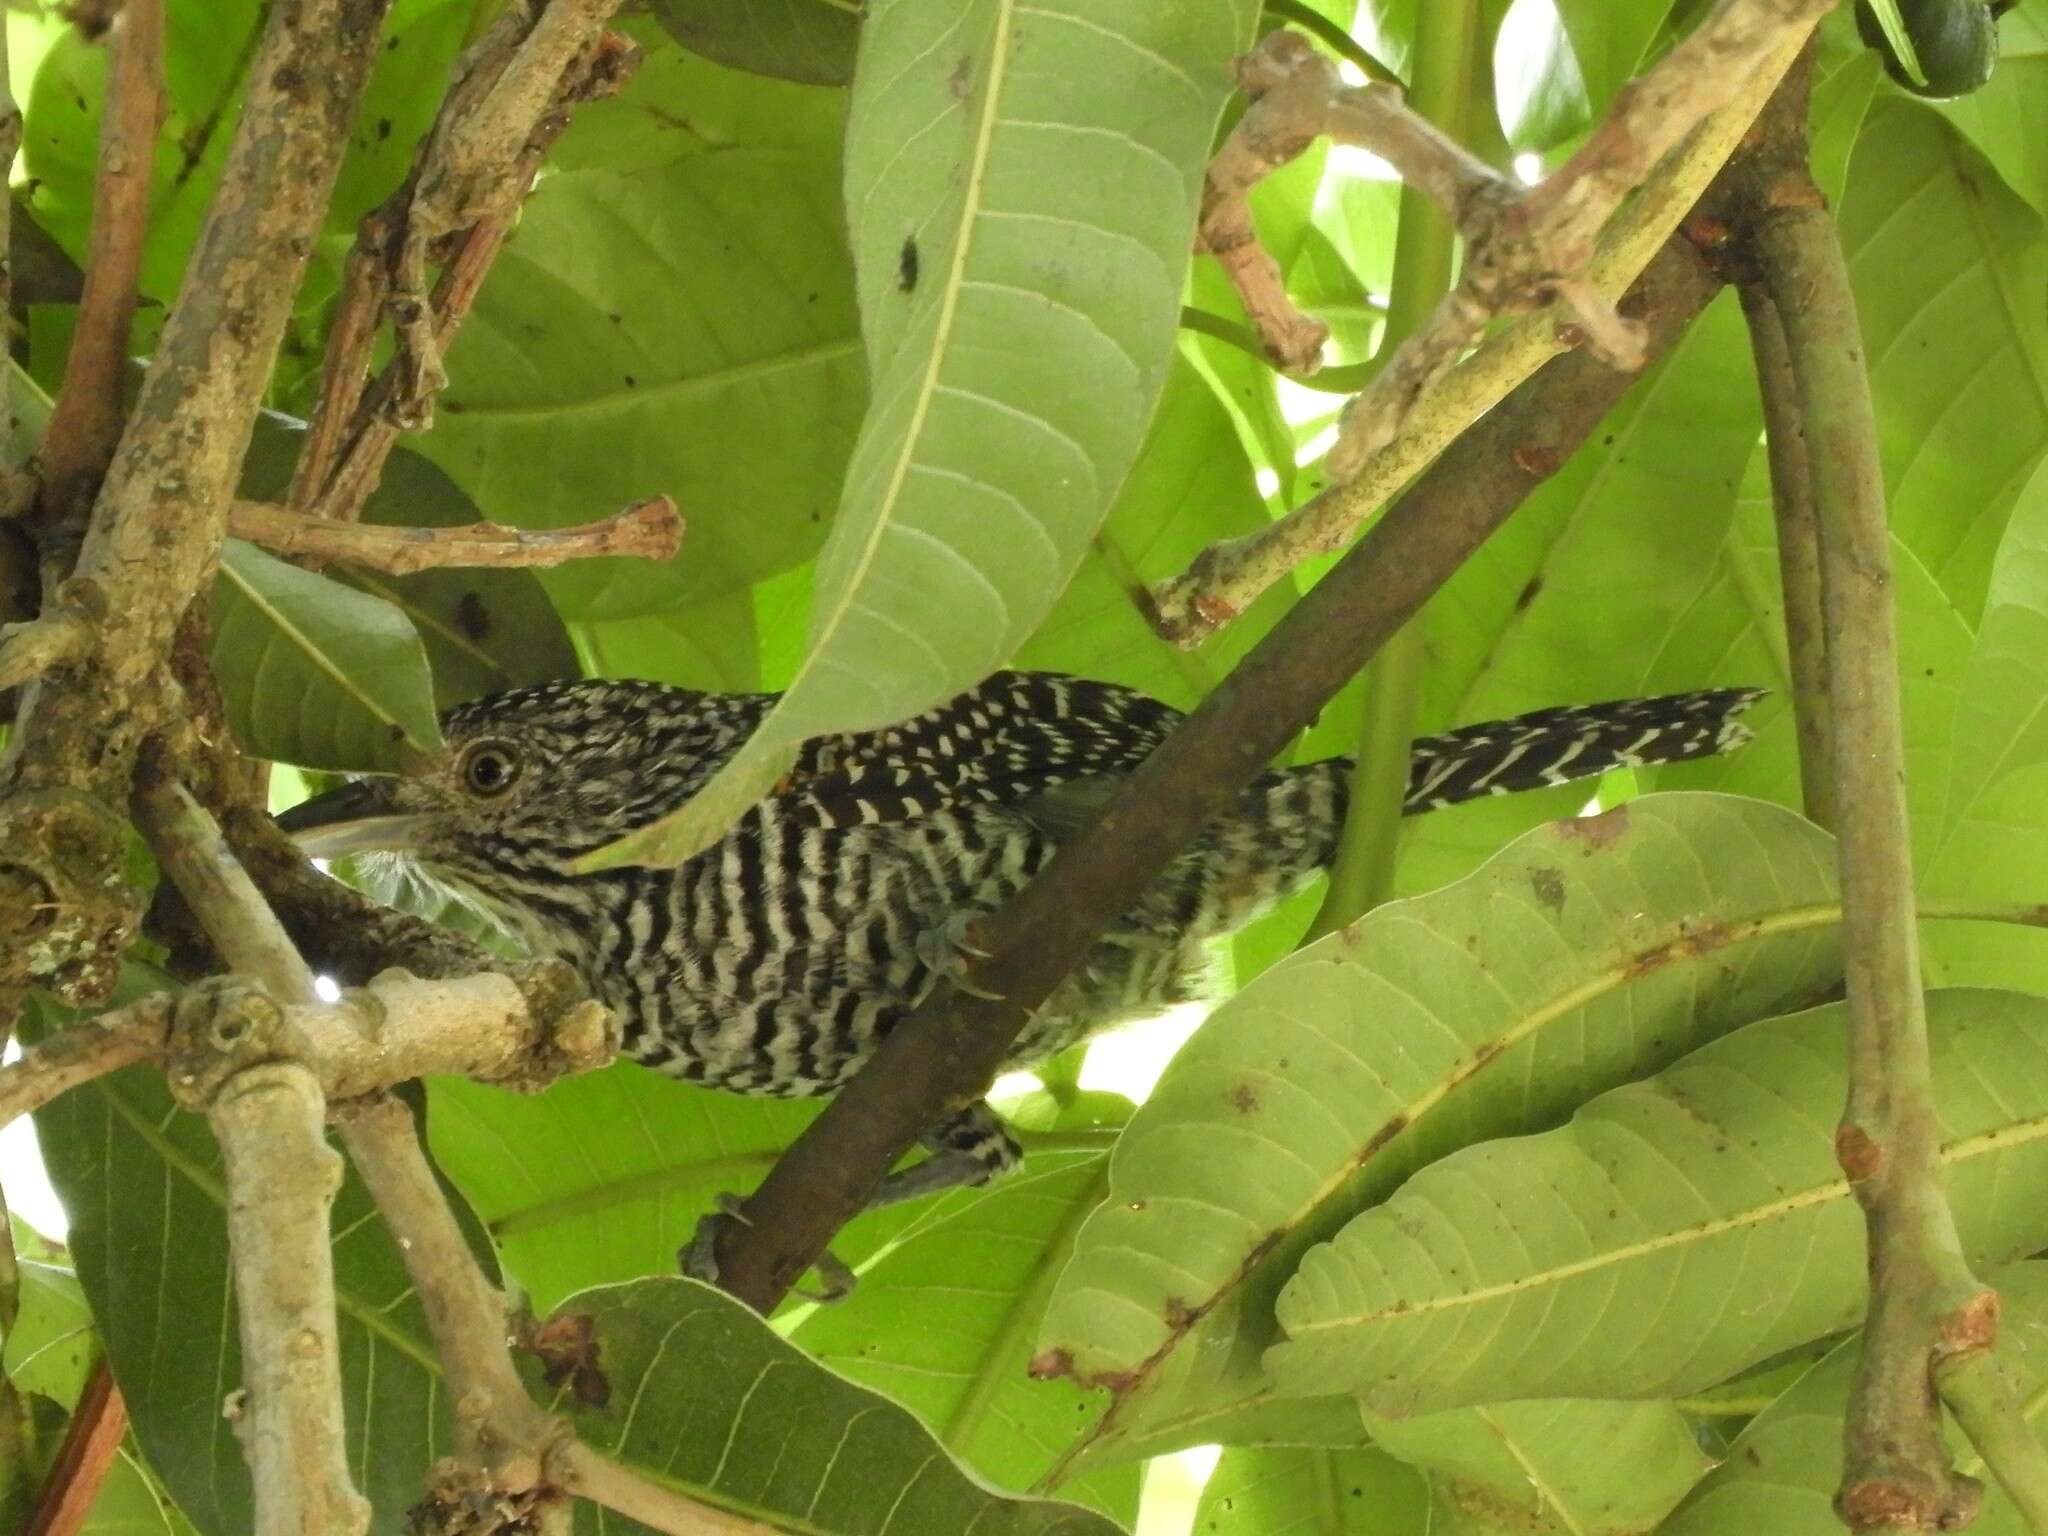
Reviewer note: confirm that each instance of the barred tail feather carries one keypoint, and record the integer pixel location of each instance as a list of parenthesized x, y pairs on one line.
[(1581, 741), (1287, 825)]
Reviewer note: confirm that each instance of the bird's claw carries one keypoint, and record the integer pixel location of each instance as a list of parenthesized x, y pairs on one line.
[(699, 1257), (945, 951)]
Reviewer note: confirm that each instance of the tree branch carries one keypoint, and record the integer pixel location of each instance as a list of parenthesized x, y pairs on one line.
[(647, 530), (158, 520), (1925, 1305), (511, 99), (83, 1052), (86, 421), (946, 1053), (1798, 554), (1227, 577), (521, 1451), (92, 1440)]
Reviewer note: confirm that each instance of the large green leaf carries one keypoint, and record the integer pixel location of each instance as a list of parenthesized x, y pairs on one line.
[(1610, 40), (1987, 838), (704, 1399), (2007, 117), (142, 1182), (1572, 1467), (944, 1323), (606, 361), (316, 673), (1948, 266), (1782, 1471), (1675, 1232), (1021, 216), (1299, 1491), (1584, 954), (809, 41)]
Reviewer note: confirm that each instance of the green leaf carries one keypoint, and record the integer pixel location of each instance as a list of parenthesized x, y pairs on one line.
[(808, 41), (1572, 1466), (1192, 486), (483, 629), (1784, 1467), (1893, 27), (142, 1182), (1694, 1224), (1945, 263), (604, 1177), (316, 673), (1540, 89), (1585, 953), (1987, 837), (944, 1324), (52, 1347), (1298, 1491), (207, 53), (1021, 219), (604, 363), (706, 1399), (1610, 40)]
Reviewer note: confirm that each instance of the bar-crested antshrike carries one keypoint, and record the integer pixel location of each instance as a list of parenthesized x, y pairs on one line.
[(773, 962)]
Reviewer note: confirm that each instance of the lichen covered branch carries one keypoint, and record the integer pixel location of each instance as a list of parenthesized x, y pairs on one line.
[(647, 530)]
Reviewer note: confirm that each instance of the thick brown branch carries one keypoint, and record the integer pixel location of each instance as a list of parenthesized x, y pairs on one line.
[(91, 1441), (946, 1053), (647, 530), (1925, 1306), (86, 420)]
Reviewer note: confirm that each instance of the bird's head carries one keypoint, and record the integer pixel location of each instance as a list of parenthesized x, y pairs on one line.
[(533, 779)]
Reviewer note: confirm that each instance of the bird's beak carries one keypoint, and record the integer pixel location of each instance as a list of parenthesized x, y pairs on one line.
[(356, 818)]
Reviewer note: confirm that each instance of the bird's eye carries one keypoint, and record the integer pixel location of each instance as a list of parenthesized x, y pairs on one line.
[(488, 768)]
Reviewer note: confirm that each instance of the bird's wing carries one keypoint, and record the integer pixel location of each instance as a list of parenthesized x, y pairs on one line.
[(1007, 742)]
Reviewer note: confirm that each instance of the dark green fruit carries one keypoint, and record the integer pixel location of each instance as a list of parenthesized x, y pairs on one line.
[(1957, 41)]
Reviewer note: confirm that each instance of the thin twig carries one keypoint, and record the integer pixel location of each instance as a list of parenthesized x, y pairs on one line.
[(1798, 554), (92, 1440), (945, 1054), (511, 100), (524, 1452), (1980, 1391), (86, 422), (83, 1052), (41, 645), (1227, 577), (1925, 1305), (647, 530)]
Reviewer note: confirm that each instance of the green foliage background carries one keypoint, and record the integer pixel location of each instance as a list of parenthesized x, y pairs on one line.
[(1325, 1216)]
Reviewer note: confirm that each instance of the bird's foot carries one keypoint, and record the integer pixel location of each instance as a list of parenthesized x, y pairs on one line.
[(947, 951), (699, 1257)]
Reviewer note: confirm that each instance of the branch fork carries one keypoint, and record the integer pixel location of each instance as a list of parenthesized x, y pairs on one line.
[(1557, 253)]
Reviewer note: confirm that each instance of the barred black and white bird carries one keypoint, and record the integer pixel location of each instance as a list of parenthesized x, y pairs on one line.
[(773, 962)]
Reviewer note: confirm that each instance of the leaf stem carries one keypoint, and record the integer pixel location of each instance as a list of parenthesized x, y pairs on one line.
[(1445, 66)]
